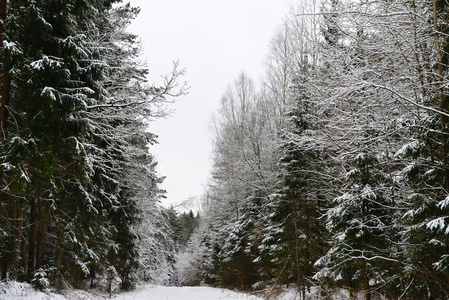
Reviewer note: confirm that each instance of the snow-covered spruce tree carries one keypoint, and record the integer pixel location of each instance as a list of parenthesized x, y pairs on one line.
[(124, 170), (376, 96), (387, 85), (295, 235), (75, 157), (361, 220), (303, 197), (425, 155), (46, 59)]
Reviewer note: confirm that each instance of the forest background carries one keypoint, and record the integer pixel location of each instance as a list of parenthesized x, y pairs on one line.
[(332, 174)]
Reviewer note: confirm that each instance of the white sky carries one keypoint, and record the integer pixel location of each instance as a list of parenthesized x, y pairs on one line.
[(214, 40)]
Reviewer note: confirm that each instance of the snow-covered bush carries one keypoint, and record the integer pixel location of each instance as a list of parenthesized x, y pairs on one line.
[(188, 266), (40, 280), (188, 263), (113, 280)]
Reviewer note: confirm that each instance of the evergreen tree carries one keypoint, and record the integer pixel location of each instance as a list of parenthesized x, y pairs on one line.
[(301, 199), (50, 84), (75, 164), (425, 155)]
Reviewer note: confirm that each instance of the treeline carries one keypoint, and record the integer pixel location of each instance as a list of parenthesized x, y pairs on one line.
[(78, 188), (165, 245), (334, 172)]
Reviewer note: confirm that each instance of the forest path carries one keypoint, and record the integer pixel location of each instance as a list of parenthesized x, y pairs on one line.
[(183, 293)]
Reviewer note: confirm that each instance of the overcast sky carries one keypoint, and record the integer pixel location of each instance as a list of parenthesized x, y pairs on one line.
[(214, 40)]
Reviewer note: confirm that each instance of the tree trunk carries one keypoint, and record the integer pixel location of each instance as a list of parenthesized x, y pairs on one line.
[(32, 241), (300, 229), (59, 249), (2, 16), (43, 238), (18, 228), (367, 286), (4, 269), (4, 80), (4, 102), (298, 272), (442, 104)]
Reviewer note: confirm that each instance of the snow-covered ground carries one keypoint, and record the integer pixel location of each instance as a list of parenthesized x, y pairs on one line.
[(183, 293), (24, 291)]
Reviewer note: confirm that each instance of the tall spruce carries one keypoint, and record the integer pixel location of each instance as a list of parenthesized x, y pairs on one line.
[(75, 162)]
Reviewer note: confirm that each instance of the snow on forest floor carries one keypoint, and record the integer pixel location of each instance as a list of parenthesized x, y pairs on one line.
[(183, 293), (24, 291), (208, 293)]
